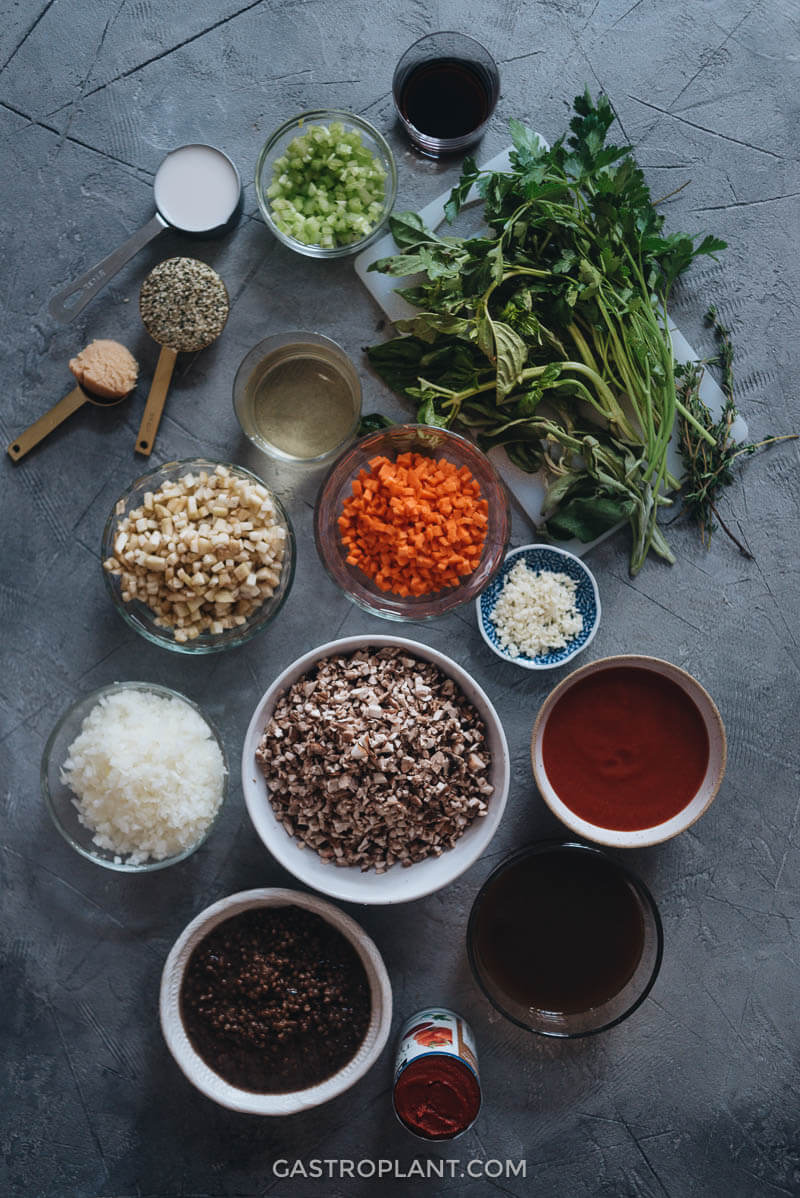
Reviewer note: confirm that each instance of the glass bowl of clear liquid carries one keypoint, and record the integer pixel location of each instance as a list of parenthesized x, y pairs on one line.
[(297, 397)]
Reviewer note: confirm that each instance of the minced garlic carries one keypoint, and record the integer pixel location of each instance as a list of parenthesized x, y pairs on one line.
[(536, 612)]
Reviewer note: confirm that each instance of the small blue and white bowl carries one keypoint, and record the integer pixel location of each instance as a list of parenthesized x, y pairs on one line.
[(543, 558)]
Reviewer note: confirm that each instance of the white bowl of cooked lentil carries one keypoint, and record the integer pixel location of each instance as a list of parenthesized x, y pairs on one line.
[(404, 820), (212, 584), (220, 1028)]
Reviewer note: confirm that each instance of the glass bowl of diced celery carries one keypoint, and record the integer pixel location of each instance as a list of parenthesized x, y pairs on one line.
[(326, 182)]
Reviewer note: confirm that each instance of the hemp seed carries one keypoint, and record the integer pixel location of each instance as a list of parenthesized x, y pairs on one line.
[(184, 304)]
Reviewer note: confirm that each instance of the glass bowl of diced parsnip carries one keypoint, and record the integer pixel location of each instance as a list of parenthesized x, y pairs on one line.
[(198, 556)]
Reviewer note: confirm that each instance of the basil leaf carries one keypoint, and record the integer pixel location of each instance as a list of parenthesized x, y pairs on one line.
[(408, 230), (398, 362), (512, 354), (427, 325), (373, 422)]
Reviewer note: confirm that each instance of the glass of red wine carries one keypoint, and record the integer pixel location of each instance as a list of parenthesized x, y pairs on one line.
[(445, 88)]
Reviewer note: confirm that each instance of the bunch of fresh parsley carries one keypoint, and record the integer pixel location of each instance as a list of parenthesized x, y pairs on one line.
[(549, 335)]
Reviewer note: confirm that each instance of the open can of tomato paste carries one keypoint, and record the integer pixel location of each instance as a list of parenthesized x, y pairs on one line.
[(437, 1090)]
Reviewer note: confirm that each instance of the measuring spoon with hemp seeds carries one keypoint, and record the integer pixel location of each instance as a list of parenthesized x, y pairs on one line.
[(184, 306)]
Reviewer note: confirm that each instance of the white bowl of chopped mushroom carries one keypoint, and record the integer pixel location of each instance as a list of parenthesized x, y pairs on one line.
[(198, 556), (541, 609), (375, 769)]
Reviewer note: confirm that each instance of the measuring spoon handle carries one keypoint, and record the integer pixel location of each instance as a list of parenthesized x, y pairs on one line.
[(73, 298), (45, 424), (156, 400)]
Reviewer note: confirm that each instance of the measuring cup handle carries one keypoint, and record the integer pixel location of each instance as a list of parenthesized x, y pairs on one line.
[(45, 424), (156, 400), (73, 298)]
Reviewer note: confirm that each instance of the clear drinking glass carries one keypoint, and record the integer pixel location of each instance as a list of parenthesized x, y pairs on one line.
[(297, 397), (445, 88)]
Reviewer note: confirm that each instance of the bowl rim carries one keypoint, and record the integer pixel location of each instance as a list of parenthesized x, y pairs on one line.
[(552, 844), (310, 250), (197, 647), (282, 846), (447, 599), (657, 833), (530, 663), (201, 1075), (91, 699)]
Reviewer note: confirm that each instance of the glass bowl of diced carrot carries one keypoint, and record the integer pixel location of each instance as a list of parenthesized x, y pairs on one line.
[(412, 521)]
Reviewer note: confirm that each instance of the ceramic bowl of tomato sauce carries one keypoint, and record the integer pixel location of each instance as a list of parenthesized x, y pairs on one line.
[(628, 751)]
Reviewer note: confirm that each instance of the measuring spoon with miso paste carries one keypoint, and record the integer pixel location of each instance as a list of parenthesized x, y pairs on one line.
[(197, 192), (106, 372), (184, 305)]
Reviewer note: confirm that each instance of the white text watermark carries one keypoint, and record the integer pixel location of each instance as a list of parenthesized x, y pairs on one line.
[(339, 1167)]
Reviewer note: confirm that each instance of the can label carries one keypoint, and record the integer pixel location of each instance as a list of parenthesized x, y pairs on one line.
[(436, 1030)]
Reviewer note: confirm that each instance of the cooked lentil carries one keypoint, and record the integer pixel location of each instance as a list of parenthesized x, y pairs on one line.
[(275, 999), (184, 304), (376, 758)]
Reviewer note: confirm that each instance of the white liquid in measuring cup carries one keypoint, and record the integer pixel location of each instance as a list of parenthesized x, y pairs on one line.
[(196, 188)]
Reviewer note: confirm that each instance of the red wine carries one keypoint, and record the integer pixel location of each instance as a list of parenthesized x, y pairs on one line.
[(559, 931), (446, 97)]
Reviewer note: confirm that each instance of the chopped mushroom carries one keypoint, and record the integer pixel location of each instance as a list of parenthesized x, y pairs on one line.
[(389, 763)]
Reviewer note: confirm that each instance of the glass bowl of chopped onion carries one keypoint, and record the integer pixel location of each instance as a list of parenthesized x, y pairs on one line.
[(412, 521), (326, 182), (134, 776), (198, 556)]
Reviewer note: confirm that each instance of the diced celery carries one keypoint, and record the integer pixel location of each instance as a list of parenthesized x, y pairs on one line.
[(327, 187)]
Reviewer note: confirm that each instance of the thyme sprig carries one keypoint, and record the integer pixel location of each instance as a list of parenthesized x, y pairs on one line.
[(708, 463)]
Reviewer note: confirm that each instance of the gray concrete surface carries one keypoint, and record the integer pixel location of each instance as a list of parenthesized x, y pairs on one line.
[(698, 1093)]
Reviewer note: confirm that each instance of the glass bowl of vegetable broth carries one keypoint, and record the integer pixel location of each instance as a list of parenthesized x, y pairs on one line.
[(412, 521), (563, 940), (326, 182)]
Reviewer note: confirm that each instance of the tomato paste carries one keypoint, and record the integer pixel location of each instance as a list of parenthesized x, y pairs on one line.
[(625, 748), (437, 1093)]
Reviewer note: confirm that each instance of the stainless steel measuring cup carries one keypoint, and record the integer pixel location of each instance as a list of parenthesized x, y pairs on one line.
[(197, 191)]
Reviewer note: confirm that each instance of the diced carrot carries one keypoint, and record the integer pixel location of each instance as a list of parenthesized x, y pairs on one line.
[(415, 525)]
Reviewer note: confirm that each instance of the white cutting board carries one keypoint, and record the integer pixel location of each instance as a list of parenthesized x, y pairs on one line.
[(527, 489)]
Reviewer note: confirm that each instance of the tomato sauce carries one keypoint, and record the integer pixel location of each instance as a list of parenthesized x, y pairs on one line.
[(625, 748)]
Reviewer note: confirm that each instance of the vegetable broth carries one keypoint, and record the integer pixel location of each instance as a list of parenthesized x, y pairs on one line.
[(559, 931), (299, 403)]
